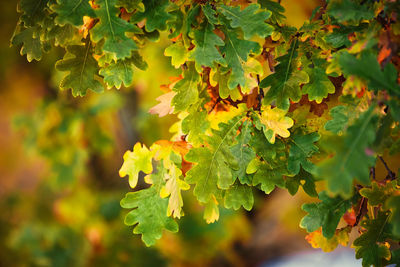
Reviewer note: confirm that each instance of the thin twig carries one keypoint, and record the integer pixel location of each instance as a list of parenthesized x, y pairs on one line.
[(215, 104), (372, 173), (361, 210), (391, 174), (260, 95)]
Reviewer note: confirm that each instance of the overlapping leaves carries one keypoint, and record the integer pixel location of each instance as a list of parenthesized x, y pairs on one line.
[(145, 204), (351, 160), (213, 164), (284, 84), (113, 30), (325, 214), (224, 50)]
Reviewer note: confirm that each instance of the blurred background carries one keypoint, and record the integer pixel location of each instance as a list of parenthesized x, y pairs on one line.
[(59, 183)]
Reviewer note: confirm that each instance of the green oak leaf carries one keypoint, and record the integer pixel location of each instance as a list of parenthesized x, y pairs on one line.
[(393, 204), (178, 53), (155, 13), (263, 148), (239, 195), (276, 9), (195, 124), (214, 164), (267, 175), (325, 214), (369, 246), (395, 109), (302, 147), (339, 37), (351, 160), (236, 52), (112, 30), (82, 70), (131, 5), (378, 194), (186, 90), (339, 120), (189, 22), (34, 11), (376, 78), (210, 13), (221, 78), (284, 83), (205, 52), (395, 148), (30, 42), (251, 20), (319, 86), (287, 32), (293, 183), (149, 214), (72, 11), (121, 71), (243, 153), (383, 139), (349, 11), (62, 35)]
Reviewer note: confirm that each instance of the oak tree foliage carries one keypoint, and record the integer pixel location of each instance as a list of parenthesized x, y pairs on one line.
[(318, 104)]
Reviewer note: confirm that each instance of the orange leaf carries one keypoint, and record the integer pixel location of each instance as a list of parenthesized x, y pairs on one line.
[(168, 87), (350, 217), (384, 53), (88, 23), (176, 38), (182, 147)]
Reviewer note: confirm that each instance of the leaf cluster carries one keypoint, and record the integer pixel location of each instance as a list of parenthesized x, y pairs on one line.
[(260, 105)]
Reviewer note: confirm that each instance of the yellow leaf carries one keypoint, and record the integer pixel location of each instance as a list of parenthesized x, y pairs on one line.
[(353, 86), (134, 162), (178, 54), (173, 188), (317, 240), (211, 211), (216, 117), (254, 67), (276, 123)]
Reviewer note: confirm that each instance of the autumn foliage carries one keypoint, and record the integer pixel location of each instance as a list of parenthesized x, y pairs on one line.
[(259, 104)]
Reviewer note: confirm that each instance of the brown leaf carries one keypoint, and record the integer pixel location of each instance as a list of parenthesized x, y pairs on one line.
[(317, 109), (252, 99)]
